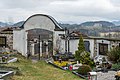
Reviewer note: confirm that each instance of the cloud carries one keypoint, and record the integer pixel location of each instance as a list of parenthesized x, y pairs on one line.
[(62, 10), (23, 4), (86, 8), (82, 7), (115, 2)]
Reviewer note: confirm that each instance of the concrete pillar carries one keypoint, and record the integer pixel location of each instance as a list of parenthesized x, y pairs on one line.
[(32, 50), (95, 49), (40, 48), (47, 49), (54, 43)]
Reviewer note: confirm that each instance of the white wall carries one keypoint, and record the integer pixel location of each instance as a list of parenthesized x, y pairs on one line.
[(93, 45), (58, 41), (38, 21), (41, 22), (20, 41), (74, 45)]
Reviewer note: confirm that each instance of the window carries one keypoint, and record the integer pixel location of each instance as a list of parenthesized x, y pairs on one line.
[(103, 48), (2, 41), (87, 45)]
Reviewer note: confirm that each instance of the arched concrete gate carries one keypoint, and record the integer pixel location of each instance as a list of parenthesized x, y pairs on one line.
[(41, 34), (39, 28)]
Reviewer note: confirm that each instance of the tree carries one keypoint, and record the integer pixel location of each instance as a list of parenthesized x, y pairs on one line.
[(114, 54), (81, 48), (82, 55)]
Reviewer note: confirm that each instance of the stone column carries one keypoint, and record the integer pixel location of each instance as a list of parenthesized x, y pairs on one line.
[(47, 49), (32, 49), (95, 48), (40, 49)]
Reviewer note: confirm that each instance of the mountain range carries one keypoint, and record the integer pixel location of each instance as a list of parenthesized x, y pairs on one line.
[(2, 24), (18, 24), (91, 28), (85, 24), (90, 24)]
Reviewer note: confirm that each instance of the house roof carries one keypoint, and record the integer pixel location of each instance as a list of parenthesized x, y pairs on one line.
[(73, 35), (5, 30), (76, 35), (104, 38)]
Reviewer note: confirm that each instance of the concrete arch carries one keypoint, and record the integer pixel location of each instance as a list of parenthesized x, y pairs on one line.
[(41, 21), (38, 23)]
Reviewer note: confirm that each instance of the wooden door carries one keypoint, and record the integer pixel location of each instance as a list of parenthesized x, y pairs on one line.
[(103, 48)]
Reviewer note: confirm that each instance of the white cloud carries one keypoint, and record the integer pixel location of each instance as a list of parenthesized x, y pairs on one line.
[(83, 7), (94, 9), (62, 10)]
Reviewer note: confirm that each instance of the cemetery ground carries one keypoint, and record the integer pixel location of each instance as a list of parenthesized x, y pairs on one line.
[(38, 71)]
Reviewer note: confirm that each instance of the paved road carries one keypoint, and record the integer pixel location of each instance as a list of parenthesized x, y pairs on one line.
[(110, 75)]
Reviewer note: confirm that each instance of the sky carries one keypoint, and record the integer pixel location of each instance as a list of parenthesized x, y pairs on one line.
[(64, 11)]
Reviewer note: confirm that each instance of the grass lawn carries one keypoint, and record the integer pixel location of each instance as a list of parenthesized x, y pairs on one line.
[(40, 71)]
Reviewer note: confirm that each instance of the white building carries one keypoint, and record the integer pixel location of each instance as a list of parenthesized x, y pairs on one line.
[(38, 34), (96, 46), (110, 34), (42, 34)]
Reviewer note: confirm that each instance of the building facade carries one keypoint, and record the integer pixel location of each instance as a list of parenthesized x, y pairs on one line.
[(94, 45), (41, 34), (110, 34), (38, 34), (6, 37)]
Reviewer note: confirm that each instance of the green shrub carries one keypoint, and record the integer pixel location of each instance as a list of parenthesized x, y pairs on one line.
[(84, 69), (85, 59), (114, 54), (81, 55), (116, 66)]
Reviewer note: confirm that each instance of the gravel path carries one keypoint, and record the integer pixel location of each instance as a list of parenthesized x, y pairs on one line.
[(110, 75)]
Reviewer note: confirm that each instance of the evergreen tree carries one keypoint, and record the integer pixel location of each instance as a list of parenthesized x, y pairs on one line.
[(82, 55), (81, 48)]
